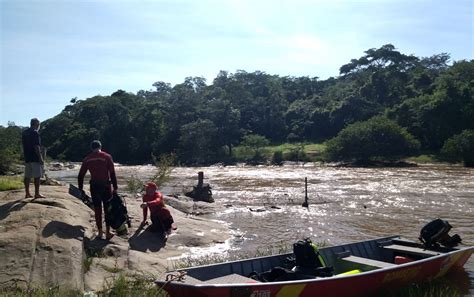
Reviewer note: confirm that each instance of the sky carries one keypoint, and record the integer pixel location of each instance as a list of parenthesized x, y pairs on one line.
[(54, 50)]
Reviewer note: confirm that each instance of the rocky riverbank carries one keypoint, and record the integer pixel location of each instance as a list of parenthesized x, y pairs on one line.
[(50, 241)]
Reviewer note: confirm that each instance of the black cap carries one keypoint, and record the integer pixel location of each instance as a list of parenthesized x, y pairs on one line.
[(95, 144)]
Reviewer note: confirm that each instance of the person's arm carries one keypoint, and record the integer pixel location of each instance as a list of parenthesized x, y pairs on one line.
[(145, 210), (158, 201), (38, 153), (37, 147), (82, 173), (113, 177)]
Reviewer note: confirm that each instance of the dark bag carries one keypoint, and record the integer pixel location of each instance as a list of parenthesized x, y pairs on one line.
[(117, 214), (306, 254)]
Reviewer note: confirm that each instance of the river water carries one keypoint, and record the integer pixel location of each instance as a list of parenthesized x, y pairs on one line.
[(345, 204)]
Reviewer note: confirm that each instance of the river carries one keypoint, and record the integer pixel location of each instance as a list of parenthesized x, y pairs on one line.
[(345, 204)]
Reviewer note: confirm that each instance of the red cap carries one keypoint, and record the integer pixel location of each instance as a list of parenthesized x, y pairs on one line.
[(151, 185)]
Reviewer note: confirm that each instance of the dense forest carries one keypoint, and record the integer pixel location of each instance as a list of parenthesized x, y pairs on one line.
[(421, 104)]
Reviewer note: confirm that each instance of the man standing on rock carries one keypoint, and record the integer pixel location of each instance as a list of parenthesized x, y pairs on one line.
[(34, 162), (101, 168)]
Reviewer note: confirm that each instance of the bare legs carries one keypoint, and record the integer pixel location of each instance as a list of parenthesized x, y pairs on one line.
[(37, 188), (26, 182), (98, 222)]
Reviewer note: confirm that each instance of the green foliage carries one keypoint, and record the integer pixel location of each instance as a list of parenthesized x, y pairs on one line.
[(435, 116), (10, 147), (18, 290), (164, 167), (124, 285), (277, 158), (134, 184), (203, 123), (377, 138), (197, 142), (297, 154), (10, 183), (423, 159), (460, 147), (253, 146)]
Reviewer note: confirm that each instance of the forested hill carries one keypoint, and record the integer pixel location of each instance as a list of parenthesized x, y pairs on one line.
[(428, 96)]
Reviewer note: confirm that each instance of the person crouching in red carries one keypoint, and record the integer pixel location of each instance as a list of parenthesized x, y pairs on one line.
[(161, 218)]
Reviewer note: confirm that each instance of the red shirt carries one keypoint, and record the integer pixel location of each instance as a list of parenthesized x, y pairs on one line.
[(101, 167), (154, 202)]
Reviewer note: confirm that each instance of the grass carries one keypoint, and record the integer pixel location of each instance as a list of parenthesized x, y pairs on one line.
[(90, 255), (423, 159), (17, 290), (132, 285), (114, 269), (10, 182), (312, 151)]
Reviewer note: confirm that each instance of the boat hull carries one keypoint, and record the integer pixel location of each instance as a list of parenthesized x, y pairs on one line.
[(361, 284)]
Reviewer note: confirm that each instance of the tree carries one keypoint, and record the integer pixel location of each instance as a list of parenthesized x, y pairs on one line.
[(460, 147), (10, 147), (385, 57), (377, 138), (196, 143), (225, 117), (449, 110)]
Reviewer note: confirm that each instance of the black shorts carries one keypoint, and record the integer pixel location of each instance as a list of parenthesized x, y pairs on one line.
[(101, 193), (161, 225)]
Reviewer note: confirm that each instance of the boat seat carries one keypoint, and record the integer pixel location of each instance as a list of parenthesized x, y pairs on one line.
[(409, 250), (226, 279), (368, 262), (231, 279)]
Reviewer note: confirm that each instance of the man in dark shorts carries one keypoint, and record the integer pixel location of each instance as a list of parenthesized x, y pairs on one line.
[(34, 163), (101, 167)]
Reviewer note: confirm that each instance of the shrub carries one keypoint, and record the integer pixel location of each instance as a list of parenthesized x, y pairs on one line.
[(460, 147), (297, 154), (254, 146), (164, 167), (10, 147), (134, 184), (277, 158), (377, 138)]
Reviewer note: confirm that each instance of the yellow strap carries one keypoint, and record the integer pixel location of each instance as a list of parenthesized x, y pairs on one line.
[(320, 257)]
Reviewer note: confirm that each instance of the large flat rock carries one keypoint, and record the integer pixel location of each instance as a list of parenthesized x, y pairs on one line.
[(41, 240), (50, 241)]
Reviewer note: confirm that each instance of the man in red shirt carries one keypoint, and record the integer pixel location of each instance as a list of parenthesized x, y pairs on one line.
[(101, 167)]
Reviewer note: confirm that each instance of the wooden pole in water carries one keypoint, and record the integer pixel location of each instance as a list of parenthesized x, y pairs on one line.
[(200, 178), (305, 203)]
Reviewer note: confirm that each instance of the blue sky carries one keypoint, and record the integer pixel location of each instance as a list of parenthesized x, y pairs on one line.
[(52, 51)]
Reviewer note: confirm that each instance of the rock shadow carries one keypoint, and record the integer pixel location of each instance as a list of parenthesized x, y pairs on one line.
[(44, 201), (7, 208), (147, 240), (95, 247), (63, 230)]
